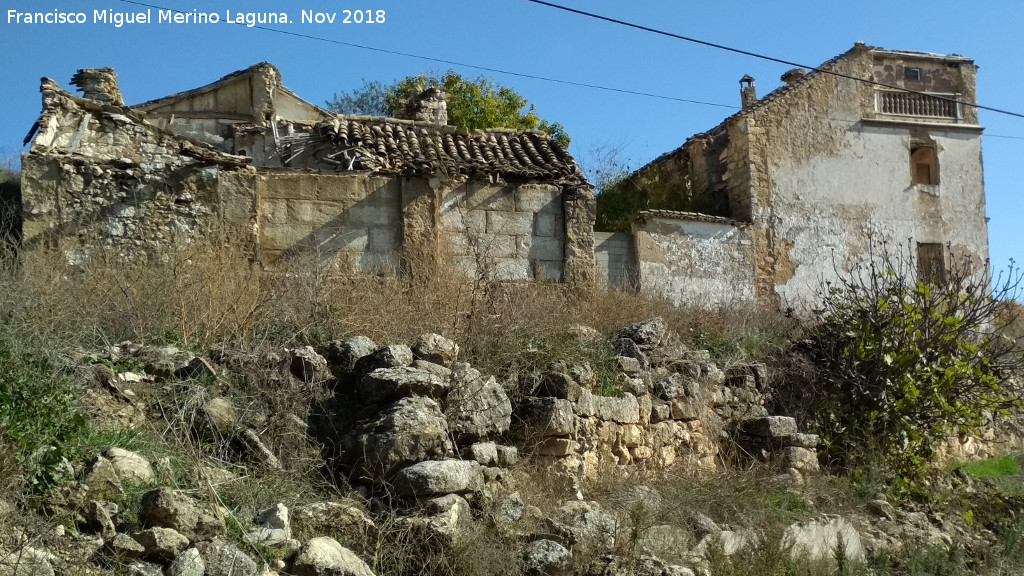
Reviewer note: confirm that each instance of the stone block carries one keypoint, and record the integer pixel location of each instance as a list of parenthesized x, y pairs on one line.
[(284, 237), (509, 222), (624, 409), (274, 210), (512, 270), (542, 248), (463, 220), (548, 416), (538, 198), (369, 215), (439, 477), (331, 240), (548, 224), (494, 246), (290, 186), (769, 426), (557, 447), (487, 196)]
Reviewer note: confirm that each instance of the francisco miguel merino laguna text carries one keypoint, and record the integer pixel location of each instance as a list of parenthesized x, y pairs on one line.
[(250, 19)]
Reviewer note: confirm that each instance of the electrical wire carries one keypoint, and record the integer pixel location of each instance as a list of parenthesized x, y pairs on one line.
[(764, 57)]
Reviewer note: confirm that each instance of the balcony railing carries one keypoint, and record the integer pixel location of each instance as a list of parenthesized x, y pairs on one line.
[(933, 106)]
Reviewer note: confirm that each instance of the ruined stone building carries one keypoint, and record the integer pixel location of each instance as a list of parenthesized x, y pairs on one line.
[(875, 145), (798, 183), (246, 154)]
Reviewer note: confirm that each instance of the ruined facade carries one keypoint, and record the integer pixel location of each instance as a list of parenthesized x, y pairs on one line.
[(247, 155), (875, 145)]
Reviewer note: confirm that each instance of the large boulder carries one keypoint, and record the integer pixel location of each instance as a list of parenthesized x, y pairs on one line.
[(547, 558), (410, 430), (160, 544), (169, 509), (325, 557), (433, 478), (389, 384), (347, 518), (342, 355), (390, 356), (478, 407), (305, 364), (437, 349), (188, 563), (820, 539), (130, 466), (225, 559), (646, 334)]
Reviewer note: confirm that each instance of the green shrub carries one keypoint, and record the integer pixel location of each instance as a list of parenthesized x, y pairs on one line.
[(38, 411), (902, 364)]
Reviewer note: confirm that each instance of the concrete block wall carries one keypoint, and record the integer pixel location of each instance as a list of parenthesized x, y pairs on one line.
[(353, 222), (508, 232), (616, 260)]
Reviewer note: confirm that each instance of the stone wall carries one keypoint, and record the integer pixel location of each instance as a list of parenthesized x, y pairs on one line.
[(695, 260), (513, 232)]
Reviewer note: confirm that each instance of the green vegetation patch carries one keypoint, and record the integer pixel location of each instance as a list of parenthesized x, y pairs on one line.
[(998, 467)]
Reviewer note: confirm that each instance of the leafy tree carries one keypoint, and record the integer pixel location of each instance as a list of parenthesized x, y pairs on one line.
[(902, 364), (475, 104)]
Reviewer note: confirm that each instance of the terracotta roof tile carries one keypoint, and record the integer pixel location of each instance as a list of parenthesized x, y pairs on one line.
[(395, 146)]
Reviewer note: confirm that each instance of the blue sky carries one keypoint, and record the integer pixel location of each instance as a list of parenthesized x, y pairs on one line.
[(154, 60)]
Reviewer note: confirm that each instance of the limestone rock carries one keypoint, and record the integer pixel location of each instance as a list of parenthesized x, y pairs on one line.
[(342, 355), (102, 479), (25, 561), (411, 430), (389, 384), (448, 517), (101, 517), (188, 563), (437, 349), (478, 407), (648, 333), (629, 349), (272, 526), (225, 559), (130, 467), (258, 450), (508, 456), (390, 356), (439, 477), (141, 568), (125, 548), (346, 517), (160, 544), (484, 453), (547, 558), (219, 417), (769, 426), (624, 409), (308, 366), (325, 557), (584, 522), (168, 509), (819, 539), (802, 459), (676, 386), (558, 384), (508, 509), (548, 416)]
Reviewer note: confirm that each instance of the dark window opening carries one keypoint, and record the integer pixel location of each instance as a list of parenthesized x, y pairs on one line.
[(924, 164), (931, 264), (912, 74)]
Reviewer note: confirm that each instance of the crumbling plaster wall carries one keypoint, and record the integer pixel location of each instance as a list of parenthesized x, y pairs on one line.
[(695, 263), (827, 183)]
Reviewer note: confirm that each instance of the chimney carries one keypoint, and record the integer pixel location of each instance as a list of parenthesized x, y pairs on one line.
[(99, 84), (793, 75), (431, 106), (748, 95)]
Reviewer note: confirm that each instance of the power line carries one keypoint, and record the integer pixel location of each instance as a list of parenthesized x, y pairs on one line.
[(762, 56), (461, 64)]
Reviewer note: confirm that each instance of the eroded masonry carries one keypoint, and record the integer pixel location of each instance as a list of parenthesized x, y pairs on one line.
[(791, 190), (247, 155)]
